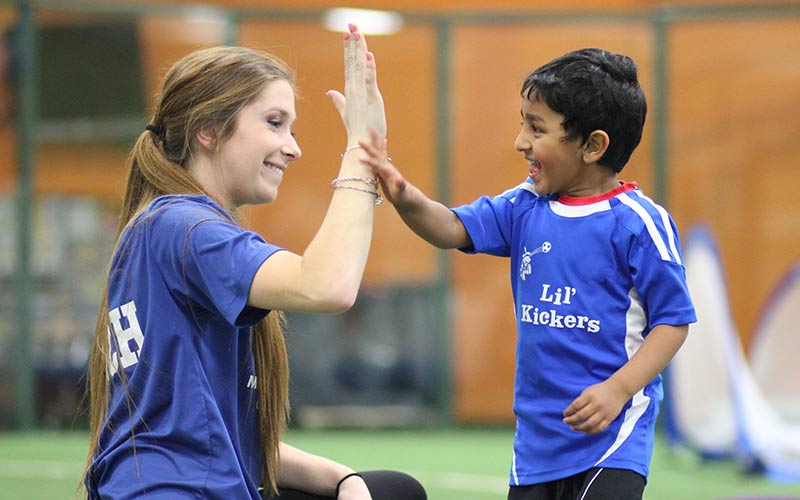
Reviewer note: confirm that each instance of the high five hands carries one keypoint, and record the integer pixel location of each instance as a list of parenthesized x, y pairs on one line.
[(361, 105)]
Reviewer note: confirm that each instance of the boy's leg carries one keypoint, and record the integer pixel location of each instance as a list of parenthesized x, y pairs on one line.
[(558, 489), (594, 484), (382, 484), (542, 491), (611, 484)]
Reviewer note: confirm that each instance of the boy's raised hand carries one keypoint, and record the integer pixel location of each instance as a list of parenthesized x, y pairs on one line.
[(361, 105), (392, 181)]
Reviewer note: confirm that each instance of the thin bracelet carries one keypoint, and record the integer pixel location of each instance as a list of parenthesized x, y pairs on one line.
[(351, 148), (358, 146), (365, 180), (339, 485), (377, 195)]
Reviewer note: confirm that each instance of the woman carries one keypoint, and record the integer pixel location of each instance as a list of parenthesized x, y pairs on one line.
[(188, 372)]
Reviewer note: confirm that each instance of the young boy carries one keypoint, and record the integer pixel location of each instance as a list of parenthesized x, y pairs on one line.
[(598, 282)]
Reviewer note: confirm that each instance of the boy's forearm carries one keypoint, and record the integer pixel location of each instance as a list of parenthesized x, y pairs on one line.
[(431, 220), (652, 357)]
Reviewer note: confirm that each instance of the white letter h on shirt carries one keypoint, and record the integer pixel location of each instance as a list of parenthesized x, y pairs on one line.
[(123, 337)]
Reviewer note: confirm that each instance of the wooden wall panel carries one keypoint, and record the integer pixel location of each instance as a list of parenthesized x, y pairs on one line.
[(406, 75), (460, 5), (81, 170), (7, 146), (734, 101), (490, 65), (734, 95), (164, 40)]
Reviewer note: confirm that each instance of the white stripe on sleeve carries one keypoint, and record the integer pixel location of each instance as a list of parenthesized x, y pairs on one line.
[(649, 224), (667, 226)]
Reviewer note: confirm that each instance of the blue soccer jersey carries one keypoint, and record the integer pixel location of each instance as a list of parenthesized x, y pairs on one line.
[(182, 410), (591, 277)]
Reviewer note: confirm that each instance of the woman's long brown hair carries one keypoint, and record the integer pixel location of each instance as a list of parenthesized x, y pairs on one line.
[(207, 88)]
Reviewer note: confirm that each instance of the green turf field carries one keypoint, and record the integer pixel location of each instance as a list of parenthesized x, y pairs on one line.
[(456, 464)]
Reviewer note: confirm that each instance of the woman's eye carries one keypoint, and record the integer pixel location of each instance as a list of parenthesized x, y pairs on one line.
[(275, 122)]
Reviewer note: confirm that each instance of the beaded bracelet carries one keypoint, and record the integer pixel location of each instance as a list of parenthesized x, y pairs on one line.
[(339, 485), (365, 180)]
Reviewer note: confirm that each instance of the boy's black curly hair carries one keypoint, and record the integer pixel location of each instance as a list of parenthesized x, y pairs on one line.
[(595, 90)]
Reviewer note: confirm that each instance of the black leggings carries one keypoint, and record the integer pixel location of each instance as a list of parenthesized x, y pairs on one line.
[(382, 484)]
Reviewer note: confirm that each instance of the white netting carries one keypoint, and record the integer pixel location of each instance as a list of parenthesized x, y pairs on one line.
[(718, 405)]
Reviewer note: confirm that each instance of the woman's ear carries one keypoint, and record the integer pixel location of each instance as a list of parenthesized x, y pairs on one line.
[(207, 138), (595, 146)]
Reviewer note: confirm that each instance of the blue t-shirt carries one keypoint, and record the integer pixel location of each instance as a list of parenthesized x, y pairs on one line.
[(591, 277), (184, 424)]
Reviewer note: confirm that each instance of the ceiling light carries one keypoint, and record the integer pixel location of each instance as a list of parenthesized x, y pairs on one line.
[(369, 22)]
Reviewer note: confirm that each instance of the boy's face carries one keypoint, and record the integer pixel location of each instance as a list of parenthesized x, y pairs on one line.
[(555, 165)]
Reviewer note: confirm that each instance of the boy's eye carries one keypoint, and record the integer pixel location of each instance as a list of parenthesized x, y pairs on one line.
[(530, 125)]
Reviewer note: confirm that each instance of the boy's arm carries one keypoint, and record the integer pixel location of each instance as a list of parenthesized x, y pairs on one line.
[(599, 404), (431, 220)]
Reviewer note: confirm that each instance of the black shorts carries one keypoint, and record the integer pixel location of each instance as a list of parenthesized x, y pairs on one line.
[(594, 484)]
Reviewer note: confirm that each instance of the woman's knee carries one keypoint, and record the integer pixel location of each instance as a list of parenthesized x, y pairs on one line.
[(393, 485)]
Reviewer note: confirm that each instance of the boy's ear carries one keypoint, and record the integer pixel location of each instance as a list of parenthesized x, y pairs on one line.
[(595, 146), (207, 138)]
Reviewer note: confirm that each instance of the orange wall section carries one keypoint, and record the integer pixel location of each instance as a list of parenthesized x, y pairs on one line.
[(734, 88), (456, 5), (7, 139), (486, 122), (734, 149), (406, 69)]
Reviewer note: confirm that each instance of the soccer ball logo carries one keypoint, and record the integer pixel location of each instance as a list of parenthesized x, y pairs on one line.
[(525, 267)]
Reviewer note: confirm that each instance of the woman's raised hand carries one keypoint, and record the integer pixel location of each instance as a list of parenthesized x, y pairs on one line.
[(361, 106)]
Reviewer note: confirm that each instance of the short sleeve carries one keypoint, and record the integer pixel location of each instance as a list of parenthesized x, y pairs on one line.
[(222, 259), (661, 284), (487, 220), (206, 260)]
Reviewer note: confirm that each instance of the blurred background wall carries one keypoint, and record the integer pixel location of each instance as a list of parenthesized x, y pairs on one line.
[(720, 147)]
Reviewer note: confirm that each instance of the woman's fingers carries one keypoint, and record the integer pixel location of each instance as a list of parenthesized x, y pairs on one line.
[(355, 60), (339, 102), (371, 76), (361, 104)]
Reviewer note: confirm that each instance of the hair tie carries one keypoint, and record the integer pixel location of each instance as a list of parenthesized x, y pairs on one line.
[(348, 476), (159, 131)]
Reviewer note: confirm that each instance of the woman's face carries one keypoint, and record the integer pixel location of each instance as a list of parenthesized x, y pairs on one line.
[(250, 164)]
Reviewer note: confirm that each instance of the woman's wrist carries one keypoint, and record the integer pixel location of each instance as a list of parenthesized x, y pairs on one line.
[(346, 477)]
